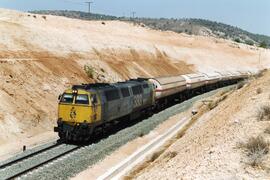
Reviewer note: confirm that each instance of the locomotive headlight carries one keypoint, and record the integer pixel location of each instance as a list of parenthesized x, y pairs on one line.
[(75, 91)]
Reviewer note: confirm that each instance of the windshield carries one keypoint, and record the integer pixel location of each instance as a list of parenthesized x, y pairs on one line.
[(67, 98), (82, 99)]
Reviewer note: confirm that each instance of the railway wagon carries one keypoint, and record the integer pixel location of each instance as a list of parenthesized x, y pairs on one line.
[(86, 108), (167, 86), (244, 74), (225, 76), (212, 78), (195, 80)]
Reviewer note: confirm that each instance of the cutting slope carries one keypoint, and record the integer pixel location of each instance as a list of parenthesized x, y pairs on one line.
[(211, 149), (42, 55)]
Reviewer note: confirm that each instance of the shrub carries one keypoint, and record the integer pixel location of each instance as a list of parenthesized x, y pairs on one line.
[(259, 90), (256, 149), (263, 44), (89, 71), (237, 40), (264, 113), (170, 154), (249, 42), (240, 84), (267, 130), (212, 105), (154, 156)]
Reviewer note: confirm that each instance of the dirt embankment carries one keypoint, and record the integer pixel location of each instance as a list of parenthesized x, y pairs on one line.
[(215, 146), (40, 56)]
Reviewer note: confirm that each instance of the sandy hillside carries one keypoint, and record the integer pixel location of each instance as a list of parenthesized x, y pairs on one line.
[(214, 147), (42, 55)]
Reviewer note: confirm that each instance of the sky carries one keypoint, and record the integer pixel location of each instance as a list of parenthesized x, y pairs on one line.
[(250, 15)]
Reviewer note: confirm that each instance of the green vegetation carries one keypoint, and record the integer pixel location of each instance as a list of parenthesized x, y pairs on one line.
[(249, 42), (89, 71), (237, 40), (188, 26), (263, 44)]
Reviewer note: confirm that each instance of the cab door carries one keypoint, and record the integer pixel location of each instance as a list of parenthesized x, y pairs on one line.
[(95, 107)]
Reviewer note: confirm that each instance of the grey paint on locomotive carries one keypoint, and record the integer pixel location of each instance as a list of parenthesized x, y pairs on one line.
[(121, 99)]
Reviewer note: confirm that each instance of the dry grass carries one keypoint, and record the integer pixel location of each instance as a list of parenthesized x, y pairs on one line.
[(259, 91), (264, 113), (240, 84), (267, 130), (215, 103), (212, 105), (256, 149), (261, 73), (171, 154)]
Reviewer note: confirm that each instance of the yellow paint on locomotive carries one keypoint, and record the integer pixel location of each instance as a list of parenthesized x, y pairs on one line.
[(74, 114)]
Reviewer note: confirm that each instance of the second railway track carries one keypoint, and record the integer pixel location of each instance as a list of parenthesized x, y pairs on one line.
[(29, 162)]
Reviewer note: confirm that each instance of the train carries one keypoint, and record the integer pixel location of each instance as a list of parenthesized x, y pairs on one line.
[(85, 109)]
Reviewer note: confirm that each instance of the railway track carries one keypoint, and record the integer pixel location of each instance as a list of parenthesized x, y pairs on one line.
[(25, 164)]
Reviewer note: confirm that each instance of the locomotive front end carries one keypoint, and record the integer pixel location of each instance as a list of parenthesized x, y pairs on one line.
[(78, 111)]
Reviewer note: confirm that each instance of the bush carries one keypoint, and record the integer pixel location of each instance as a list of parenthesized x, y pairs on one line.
[(256, 149), (249, 42), (267, 130), (170, 154), (212, 105), (264, 113), (259, 90), (240, 84), (237, 40), (89, 71), (263, 44)]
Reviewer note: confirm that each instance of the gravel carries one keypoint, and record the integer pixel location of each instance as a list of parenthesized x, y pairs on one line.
[(33, 161), (72, 164), (27, 152)]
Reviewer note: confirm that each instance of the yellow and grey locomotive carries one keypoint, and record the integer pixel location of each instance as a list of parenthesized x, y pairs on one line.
[(85, 108)]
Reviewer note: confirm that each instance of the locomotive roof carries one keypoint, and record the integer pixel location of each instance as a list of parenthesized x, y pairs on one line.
[(103, 86)]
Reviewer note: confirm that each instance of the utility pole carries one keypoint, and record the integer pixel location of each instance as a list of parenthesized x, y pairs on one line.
[(89, 6), (133, 15), (260, 52)]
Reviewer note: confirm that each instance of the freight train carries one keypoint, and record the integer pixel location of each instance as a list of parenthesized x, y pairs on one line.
[(87, 108)]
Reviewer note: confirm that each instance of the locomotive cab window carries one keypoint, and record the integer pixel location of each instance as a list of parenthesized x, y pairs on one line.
[(67, 98), (112, 95), (125, 92), (137, 90), (82, 99), (145, 86)]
